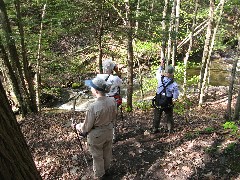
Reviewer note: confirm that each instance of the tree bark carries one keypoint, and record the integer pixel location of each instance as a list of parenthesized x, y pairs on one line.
[(38, 73), (205, 62), (16, 159), (27, 72), (174, 50), (189, 48), (237, 106), (163, 48), (130, 56), (100, 34), (15, 63), (170, 32), (214, 35)]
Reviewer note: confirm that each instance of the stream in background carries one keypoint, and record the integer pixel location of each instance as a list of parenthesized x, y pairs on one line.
[(220, 74)]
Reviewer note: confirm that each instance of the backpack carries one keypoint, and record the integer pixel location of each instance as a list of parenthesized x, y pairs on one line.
[(161, 101)]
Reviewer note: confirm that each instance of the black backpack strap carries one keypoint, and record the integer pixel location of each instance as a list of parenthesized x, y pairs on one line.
[(165, 86), (107, 77)]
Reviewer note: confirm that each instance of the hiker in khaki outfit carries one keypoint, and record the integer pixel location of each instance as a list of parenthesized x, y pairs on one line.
[(98, 125)]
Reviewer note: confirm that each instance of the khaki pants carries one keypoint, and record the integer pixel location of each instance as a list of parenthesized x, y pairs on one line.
[(100, 146)]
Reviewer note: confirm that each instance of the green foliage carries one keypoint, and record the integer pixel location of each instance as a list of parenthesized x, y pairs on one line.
[(146, 47), (143, 105), (76, 85), (208, 129), (191, 135), (211, 149), (149, 84), (232, 126), (56, 91), (191, 79), (182, 106), (128, 109), (230, 147)]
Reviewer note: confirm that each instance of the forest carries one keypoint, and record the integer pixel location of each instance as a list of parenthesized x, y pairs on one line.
[(49, 48)]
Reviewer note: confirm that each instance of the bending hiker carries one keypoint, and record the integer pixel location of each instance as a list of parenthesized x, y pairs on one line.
[(98, 125), (167, 90), (114, 82)]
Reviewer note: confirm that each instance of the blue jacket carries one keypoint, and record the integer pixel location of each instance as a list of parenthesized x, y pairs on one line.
[(171, 90)]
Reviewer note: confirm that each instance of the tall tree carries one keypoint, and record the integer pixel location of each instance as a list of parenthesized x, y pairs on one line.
[(164, 15), (19, 76), (26, 68), (189, 48), (170, 32), (16, 159), (129, 30), (176, 29), (38, 73), (205, 62), (237, 106)]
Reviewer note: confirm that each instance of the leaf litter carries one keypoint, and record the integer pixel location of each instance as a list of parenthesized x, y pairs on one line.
[(189, 153)]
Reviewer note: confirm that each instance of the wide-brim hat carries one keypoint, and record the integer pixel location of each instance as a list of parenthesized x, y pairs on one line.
[(97, 83)]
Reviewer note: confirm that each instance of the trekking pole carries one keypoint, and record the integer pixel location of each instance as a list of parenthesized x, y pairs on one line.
[(75, 130), (79, 140)]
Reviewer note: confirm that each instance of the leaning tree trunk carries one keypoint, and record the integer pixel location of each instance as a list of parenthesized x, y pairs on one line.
[(204, 68), (13, 54), (214, 34), (27, 72), (228, 115), (189, 48), (237, 106), (16, 159)]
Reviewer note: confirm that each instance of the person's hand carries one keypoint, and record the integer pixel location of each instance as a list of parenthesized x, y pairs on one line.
[(163, 61)]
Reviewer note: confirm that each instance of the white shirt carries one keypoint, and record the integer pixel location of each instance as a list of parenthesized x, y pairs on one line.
[(113, 81)]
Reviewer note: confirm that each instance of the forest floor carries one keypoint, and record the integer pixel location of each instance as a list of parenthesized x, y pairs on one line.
[(200, 148)]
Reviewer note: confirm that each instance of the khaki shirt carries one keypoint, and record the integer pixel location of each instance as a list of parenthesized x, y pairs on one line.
[(102, 112)]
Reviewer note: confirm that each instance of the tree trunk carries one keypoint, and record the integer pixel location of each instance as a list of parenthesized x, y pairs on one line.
[(213, 36), (14, 57), (174, 51), (237, 106), (163, 48), (228, 115), (189, 48), (38, 71), (205, 63), (100, 34), (130, 56), (11, 74), (15, 157), (27, 72), (170, 32)]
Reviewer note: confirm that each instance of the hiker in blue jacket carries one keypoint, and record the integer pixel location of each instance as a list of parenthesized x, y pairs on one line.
[(167, 90)]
